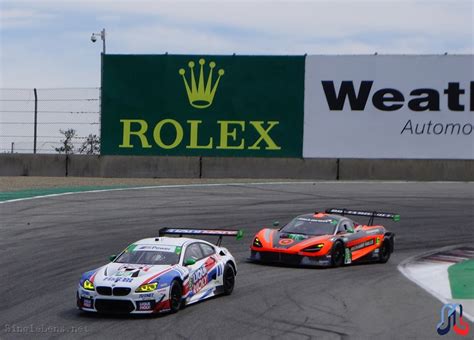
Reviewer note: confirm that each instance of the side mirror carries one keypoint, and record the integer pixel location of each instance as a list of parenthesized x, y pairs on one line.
[(189, 262), (276, 223), (112, 257)]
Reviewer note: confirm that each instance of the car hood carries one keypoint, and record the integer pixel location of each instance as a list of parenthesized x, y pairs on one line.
[(129, 275), (275, 239)]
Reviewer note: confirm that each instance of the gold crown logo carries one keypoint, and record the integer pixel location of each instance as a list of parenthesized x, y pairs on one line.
[(201, 95)]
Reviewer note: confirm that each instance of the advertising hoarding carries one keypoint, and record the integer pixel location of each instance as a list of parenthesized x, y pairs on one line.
[(389, 107), (193, 105)]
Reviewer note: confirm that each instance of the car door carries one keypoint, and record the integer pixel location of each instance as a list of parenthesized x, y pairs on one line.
[(200, 277), (358, 242)]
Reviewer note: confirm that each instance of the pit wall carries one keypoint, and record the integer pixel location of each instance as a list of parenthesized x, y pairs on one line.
[(238, 167)]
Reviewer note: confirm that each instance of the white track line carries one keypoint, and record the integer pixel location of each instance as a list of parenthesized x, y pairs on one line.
[(150, 187)]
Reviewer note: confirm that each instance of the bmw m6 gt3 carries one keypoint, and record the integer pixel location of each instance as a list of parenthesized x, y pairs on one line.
[(160, 274)]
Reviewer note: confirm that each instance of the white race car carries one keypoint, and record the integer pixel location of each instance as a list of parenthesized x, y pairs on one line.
[(160, 274)]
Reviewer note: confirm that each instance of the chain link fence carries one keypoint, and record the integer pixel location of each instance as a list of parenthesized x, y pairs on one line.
[(58, 109)]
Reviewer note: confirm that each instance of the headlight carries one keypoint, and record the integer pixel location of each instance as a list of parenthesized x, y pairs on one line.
[(149, 287), (315, 248), (88, 285), (257, 243)]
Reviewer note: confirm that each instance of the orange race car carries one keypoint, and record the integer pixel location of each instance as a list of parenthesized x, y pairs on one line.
[(325, 239)]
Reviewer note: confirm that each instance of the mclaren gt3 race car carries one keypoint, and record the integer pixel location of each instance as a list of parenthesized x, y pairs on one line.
[(325, 239), (160, 274)]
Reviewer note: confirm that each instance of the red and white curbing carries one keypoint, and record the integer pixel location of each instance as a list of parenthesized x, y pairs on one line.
[(430, 272)]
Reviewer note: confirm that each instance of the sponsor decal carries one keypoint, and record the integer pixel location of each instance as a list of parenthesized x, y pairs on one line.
[(118, 279), (448, 319), (390, 99), (87, 303), (198, 279), (362, 245), (437, 128), (150, 247), (201, 231), (148, 295), (316, 220), (144, 305), (348, 256), (285, 241), (377, 240)]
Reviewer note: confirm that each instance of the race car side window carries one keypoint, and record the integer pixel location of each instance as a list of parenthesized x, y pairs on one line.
[(193, 251), (207, 249), (346, 226)]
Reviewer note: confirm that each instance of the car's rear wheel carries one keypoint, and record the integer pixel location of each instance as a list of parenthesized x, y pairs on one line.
[(384, 252), (229, 279), (337, 254), (175, 296)]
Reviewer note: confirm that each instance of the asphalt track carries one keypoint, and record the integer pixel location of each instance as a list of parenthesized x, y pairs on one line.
[(46, 243)]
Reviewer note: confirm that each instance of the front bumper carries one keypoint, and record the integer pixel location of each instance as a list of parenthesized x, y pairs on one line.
[(290, 259), (133, 303)]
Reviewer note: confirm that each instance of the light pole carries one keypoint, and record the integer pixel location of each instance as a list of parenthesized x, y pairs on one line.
[(102, 37), (94, 39)]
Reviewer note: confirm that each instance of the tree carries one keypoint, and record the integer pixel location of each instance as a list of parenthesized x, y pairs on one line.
[(67, 146), (91, 145)]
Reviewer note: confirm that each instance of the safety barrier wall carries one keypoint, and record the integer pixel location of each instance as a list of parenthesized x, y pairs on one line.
[(238, 167)]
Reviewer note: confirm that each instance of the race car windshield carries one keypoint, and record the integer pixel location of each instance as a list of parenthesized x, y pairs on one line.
[(310, 226), (148, 255)]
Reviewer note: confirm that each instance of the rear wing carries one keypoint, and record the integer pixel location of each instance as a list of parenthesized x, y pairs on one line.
[(370, 214), (204, 232)]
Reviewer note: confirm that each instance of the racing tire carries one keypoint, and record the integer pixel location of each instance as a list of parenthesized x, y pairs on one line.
[(385, 252), (228, 279), (176, 293), (337, 254)]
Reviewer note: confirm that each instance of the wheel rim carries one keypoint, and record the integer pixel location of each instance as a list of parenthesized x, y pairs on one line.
[(229, 279), (175, 297)]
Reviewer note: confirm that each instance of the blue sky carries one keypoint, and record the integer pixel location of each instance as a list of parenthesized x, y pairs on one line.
[(47, 43)]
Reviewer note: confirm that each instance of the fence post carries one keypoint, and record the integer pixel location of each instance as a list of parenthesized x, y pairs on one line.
[(36, 119)]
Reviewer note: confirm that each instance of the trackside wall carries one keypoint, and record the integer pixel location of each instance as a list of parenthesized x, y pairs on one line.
[(238, 167)]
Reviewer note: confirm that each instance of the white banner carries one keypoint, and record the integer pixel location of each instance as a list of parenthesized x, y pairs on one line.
[(389, 107)]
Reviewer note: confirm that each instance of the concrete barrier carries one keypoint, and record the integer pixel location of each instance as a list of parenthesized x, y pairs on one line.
[(84, 166), (406, 169), (237, 167), (32, 165), (213, 167), (133, 166)]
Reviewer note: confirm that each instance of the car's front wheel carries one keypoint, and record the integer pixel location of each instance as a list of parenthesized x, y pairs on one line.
[(337, 254), (175, 296)]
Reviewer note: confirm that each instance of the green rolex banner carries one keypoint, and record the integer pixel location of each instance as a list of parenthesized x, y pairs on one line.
[(192, 105)]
